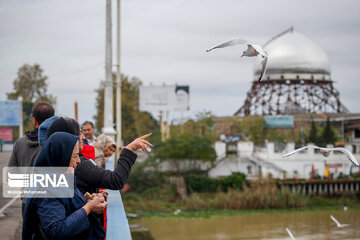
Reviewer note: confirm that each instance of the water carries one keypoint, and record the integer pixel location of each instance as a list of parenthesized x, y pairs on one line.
[(303, 225)]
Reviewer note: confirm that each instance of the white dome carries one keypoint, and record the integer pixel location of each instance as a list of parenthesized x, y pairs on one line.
[(293, 56)]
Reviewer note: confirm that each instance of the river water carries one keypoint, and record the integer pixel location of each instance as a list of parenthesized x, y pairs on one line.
[(303, 225)]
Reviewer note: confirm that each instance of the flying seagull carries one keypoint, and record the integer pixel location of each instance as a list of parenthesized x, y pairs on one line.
[(290, 234), (339, 225), (326, 152), (253, 50)]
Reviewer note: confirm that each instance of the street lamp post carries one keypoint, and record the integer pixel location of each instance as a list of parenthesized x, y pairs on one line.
[(118, 87), (108, 91), (21, 124)]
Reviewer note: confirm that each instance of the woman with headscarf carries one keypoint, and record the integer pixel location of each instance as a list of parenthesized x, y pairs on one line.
[(62, 218), (89, 177)]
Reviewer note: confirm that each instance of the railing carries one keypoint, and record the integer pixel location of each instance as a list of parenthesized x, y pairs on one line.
[(324, 188), (117, 223)]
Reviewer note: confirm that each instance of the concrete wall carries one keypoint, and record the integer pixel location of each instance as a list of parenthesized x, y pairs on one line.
[(220, 149)]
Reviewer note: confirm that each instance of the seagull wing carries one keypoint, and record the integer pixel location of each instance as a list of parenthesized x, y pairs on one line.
[(290, 234), (336, 221), (259, 50), (348, 154), (295, 151), (263, 70), (232, 42)]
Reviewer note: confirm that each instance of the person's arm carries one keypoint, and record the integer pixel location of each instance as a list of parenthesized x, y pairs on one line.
[(115, 180), (97, 177), (56, 224)]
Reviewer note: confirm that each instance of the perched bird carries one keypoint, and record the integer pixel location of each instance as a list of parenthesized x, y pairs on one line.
[(326, 152), (290, 234), (253, 50), (339, 225)]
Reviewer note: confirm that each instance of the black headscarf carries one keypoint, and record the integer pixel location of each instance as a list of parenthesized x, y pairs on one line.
[(68, 125), (57, 152)]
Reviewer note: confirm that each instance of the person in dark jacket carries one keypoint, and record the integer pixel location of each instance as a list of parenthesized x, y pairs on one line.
[(62, 218), (90, 177), (26, 149)]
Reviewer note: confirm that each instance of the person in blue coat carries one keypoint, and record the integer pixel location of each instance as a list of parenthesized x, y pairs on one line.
[(62, 218)]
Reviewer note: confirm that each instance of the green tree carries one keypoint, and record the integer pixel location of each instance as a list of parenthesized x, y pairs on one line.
[(253, 129), (134, 122), (328, 135), (203, 125), (187, 146), (313, 135), (31, 85)]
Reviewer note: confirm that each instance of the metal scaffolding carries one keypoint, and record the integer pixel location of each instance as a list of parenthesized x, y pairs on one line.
[(273, 97)]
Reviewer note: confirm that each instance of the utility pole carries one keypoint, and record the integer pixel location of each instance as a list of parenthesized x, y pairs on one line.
[(167, 125), (118, 87), (76, 110), (108, 92), (162, 130), (21, 123)]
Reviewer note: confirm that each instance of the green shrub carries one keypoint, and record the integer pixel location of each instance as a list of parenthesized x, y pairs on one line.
[(234, 181), (198, 183), (141, 180)]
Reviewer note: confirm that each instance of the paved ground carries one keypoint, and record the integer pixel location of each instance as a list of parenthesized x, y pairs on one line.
[(11, 221)]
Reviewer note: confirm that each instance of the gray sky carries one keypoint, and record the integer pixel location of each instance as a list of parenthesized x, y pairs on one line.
[(164, 41)]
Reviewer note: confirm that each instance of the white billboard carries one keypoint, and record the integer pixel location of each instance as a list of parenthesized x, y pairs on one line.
[(164, 98)]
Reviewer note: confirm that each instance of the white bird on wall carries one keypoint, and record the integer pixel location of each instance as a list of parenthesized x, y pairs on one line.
[(326, 152), (339, 225), (290, 234), (253, 50)]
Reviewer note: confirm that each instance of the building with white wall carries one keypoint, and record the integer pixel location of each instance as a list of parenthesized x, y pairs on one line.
[(265, 162)]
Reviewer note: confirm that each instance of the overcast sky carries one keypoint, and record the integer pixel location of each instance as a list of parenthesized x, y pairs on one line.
[(164, 41)]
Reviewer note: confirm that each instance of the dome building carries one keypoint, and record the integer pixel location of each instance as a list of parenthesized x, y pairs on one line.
[(297, 79)]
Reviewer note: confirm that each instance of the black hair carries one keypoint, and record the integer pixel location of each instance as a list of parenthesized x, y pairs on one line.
[(184, 88), (42, 111), (88, 122), (68, 125)]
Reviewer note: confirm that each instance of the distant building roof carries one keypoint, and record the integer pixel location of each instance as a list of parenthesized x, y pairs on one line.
[(294, 56)]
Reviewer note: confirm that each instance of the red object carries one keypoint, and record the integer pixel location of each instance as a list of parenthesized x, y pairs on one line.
[(88, 152), (104, 212), (6, 134), (125, 188), (313, 169)]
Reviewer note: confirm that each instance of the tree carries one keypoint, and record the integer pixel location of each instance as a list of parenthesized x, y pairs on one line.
[(313, 134), (203, 124), (31, 85), (253, 129), (134, 122), (185, 147), (328, 135)]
